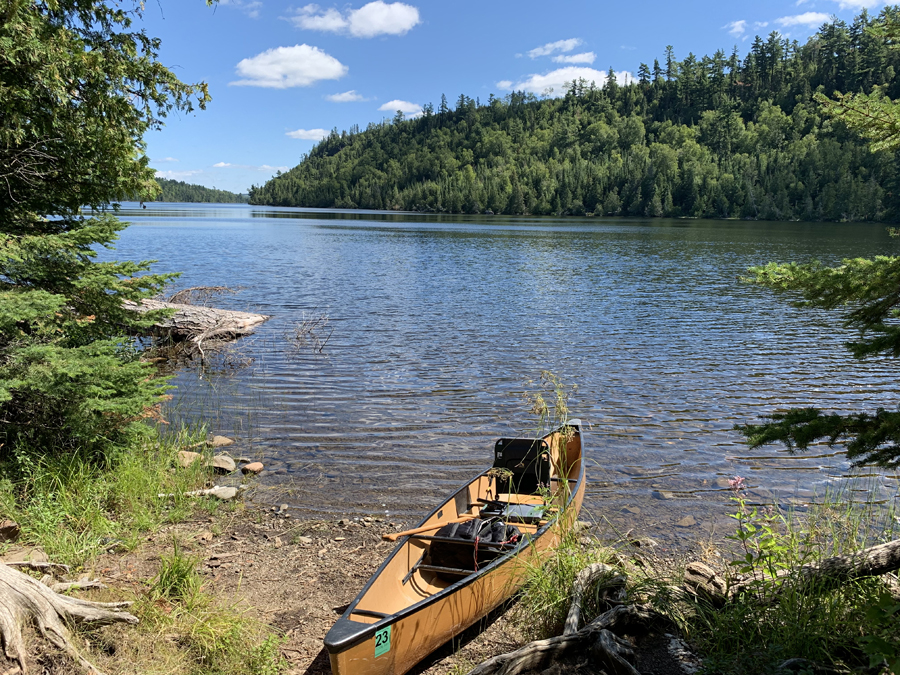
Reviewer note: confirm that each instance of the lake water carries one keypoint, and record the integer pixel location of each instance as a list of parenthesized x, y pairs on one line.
[(438, 323)]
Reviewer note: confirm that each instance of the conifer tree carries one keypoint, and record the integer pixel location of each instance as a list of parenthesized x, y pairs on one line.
[(867, 292), (79, 86)]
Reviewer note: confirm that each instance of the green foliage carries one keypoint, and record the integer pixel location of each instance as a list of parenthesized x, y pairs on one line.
[(883, 644), (547, 594), (874, 115), (850, 625), (714, 137), (179, 191), (79, 86), (177, 579), (75, 508), (866, 291)]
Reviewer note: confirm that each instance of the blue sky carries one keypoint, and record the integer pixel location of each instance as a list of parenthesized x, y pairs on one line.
[(282, 74)]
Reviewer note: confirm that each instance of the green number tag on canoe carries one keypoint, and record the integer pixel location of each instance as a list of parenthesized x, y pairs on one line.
[(383, 641)]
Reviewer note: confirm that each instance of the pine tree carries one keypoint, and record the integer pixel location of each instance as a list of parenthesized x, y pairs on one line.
[(80, 88)]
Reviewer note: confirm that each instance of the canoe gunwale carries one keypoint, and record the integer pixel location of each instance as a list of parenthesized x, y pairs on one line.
[(350, 633)]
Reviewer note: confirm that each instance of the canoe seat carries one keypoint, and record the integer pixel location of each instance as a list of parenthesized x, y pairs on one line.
[(529, 461)]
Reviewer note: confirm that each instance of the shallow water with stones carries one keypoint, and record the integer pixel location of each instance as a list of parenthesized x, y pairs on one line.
[(436, 324)]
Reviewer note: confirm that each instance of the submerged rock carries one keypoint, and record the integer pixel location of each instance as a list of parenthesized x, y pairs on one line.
[(222, 463)]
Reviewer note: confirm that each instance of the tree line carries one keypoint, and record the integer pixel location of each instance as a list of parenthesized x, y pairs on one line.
[(179, 191), (719, 136)]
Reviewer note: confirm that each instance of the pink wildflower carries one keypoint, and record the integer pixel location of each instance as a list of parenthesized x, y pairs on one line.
[(737, 484)]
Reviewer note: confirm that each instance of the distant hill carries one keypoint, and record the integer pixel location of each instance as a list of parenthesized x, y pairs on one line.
[(179, 191), (720, 136)]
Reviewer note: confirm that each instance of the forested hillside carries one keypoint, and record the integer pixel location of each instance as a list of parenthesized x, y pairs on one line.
[(714, 137), (179, 191)]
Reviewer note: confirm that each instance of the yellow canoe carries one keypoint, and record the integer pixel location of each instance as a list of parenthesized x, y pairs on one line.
[(410, 607)]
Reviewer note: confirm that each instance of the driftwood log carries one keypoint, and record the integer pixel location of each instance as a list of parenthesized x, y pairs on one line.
[(197, 323), (870, 562), (599, 638), (584, 581), (24, 599)]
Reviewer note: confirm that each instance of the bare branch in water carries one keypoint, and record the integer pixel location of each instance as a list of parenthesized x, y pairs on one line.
[(313, 332)]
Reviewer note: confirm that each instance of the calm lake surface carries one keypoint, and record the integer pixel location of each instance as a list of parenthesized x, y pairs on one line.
[(438, 323)]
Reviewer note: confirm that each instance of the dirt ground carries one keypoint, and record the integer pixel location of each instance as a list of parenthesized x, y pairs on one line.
[(298, 575)]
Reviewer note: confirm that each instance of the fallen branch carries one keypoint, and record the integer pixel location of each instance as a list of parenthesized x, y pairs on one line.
[(838, 570), (26, 600), (76, 586), (585, 579), (36, 565), (220, 491), (609, 650)]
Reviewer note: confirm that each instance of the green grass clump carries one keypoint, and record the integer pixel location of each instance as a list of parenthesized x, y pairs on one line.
[(184, 630), (76, 506), (547, 594), (177, 579), (855, 625)]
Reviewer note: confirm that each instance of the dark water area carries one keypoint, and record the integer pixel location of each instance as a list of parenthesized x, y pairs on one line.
[(439, 321)]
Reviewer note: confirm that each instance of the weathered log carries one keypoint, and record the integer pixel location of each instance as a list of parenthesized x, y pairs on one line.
[(614, 653), (24, 599), (541, 653), (584, 580), (196, 323), (870, 562)]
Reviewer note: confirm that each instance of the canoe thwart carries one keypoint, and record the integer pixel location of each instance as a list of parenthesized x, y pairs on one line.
[(446, 570), (466, 542)]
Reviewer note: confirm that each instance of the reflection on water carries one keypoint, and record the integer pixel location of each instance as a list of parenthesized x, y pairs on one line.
[(440, 320)]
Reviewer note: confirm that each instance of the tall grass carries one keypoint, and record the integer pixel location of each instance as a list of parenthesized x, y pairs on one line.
[(840, 626), (547, 594), (76, 507)]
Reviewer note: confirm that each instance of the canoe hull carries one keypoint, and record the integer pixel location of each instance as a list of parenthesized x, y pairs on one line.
[(394, 645)]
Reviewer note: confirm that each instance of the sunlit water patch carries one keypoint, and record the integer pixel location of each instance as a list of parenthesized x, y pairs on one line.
[(438, 322)]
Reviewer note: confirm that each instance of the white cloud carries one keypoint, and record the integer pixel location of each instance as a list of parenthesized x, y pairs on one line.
[(370, 20), (736, 28), (406, 107), (552, 47), (308, 134), (347, 97), (164, 159), (554, 82), (251, 9), (177, 175), (809, 19), (584, 57), (262, 167), (283, 67), (860, 4)]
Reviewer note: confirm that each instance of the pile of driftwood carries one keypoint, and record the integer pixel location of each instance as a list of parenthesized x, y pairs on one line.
[(196, 328), (608, 641)]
